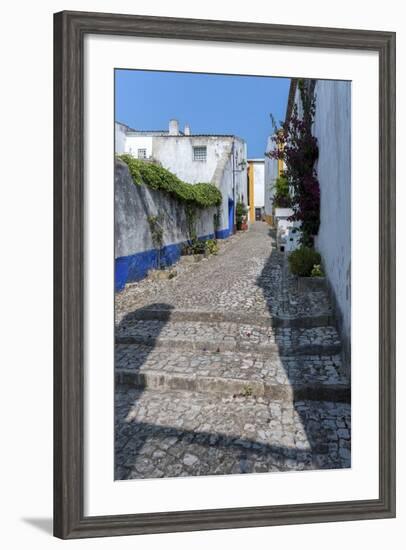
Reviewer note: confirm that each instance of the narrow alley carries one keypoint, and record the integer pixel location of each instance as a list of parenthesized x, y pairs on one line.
[(228, 368)]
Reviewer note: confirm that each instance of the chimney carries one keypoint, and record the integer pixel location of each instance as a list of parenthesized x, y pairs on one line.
[(173, 127), (186, 131)]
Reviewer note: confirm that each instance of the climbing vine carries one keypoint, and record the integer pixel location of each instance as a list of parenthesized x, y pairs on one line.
[(157, 235), (191, 219), (216, 220), (282, 198), (297, 147), (201, 195)]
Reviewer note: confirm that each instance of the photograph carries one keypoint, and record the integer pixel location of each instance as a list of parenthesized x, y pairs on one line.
[(232, 298), (201, 237)]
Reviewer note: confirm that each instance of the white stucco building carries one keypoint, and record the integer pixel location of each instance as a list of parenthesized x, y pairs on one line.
[(332, 128), (256, 188), (217, 159), (271, 173)]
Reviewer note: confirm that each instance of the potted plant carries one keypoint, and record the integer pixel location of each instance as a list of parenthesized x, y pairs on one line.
[(240, 211), (305, 262)]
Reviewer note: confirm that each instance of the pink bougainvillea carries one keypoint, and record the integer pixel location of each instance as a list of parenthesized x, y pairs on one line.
[(297, 147)]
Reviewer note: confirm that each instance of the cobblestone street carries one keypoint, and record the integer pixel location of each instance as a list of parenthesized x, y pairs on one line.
[(229, 368)]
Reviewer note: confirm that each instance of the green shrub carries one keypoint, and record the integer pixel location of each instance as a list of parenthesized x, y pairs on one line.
[(206, 194), (193, 247), (154, 176), (317, 271), (196, 246), (212, 246), (302, 261), (282, 198), (240, 211)]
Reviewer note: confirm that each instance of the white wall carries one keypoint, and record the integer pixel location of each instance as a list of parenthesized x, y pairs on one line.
[(176, 154), (26, 408), (127, 142), (223, 166), (270, 175), (135, 203), (240, 171), (224, 181), (259, 189), (133, 143), (332, 127), (120, 138)]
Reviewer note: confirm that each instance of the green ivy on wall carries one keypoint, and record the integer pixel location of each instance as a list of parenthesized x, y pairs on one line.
[(201, 195)]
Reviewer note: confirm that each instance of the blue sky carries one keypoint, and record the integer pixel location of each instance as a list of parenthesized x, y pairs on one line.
[(211, 104)]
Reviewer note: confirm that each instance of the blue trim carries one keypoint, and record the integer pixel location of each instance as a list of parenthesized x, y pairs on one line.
[(230, 216), (136, 266), (206, 237), (223, 233)]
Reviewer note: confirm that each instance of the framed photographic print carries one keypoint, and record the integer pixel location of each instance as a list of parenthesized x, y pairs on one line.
[(224, 275)]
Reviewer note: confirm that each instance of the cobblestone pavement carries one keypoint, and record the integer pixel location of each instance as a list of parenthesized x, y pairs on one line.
[(228, 368), (228, 336), (185, 433), (243, 277), (231, 372)]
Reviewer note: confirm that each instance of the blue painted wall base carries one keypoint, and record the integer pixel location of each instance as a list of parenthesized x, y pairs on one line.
[(223, 234), (135, 267)]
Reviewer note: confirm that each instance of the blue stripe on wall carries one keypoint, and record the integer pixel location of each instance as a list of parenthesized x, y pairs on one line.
[(222, 234), (136, 266)]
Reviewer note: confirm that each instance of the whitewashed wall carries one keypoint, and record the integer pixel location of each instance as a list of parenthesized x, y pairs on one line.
[(120, 138), (223, 179), (176, 154), (133, 143), (270, 175), (259, 190), (225, 166), (135, 252), (133, 205), (332, 127)]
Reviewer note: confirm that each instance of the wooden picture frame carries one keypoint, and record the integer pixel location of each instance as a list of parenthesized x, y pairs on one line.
[(70, 29)]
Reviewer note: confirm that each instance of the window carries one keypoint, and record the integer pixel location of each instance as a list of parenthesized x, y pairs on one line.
[(200, 153), (142, 153)]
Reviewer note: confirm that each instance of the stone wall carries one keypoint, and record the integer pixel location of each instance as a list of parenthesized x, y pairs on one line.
[(134, 249)]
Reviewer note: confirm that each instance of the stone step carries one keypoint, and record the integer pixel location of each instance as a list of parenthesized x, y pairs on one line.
[(164, 314), (226, 336), (183, 433), (233, 373)]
